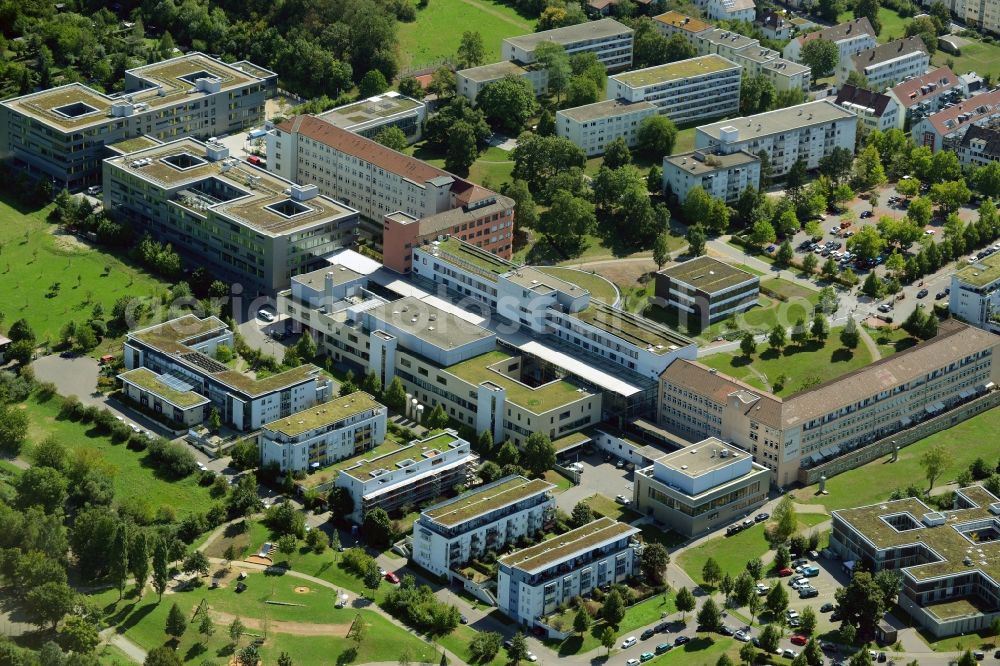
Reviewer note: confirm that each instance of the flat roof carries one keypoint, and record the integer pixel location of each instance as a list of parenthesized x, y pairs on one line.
[(492, 366), (166, 75), (367, 110), (749, 128), (465, 255), (494, 71), (316, 280), (541, 282), (324, 414), (135, 143), (429, 323), (580, 540), (570, 34), (609, 108), (148, 380), (702, 458), (682, 22), (981, 272), (700, 162), (253, 194), (675, 71), (485, 499), (728, 38), (632, 328), (707, 274), (361, 468)]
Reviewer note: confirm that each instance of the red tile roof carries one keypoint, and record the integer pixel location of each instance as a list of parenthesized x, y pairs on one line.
[(836, 33), (976, 108), (908, 92)]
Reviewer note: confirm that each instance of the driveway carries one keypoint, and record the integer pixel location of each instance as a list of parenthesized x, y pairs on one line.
[(256, 333), (598, 477)]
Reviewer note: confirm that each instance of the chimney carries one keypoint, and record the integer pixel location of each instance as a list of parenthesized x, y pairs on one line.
[(328, 289)]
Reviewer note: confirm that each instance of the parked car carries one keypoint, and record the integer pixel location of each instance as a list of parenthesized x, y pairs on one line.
[(798, 639), (865, 214), (741, 636), (663, 627), (921, 293), (726, 630), (265, 315), (681, 640), (808, 592), (621, 499), (785, 572), (810, 571), (791, 614), (629, 642), (826, 608), (646, 635), (761, 517), (645, 656), (789, 654), (632, 662), (663, 647)]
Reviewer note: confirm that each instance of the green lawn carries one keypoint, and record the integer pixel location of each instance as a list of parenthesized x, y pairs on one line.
[(600, 288), (561, 483), (685, 140), (891, 340), (458, 643), (870, 483), (606, 506), (893, 25), (803, 366), (136, 482), (109, 655), (437, 32), (50, 280), (326, 566), (668, 539), (976, 56), (636, 616)]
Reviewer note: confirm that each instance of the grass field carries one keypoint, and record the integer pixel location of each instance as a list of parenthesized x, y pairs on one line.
[(803, 366), (606, 506), (638, 615), (136, 481), (891, 340), (437, 32), (600, 288), (976, 57), (965, 442), (325, 566), (33, 262)]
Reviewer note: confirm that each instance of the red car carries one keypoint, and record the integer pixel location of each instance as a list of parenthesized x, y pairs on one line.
[(799, 639), (392, 578), (785, 572)]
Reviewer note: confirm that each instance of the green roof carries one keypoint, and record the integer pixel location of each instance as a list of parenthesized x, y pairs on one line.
[(634, 329), (674, 71), (360, 467), (324, 414), (580, 540), (707, 274), (148, 380), (485, 499), (135, 143), (569, 441), (477, 257), (982, 272), (536, 400)]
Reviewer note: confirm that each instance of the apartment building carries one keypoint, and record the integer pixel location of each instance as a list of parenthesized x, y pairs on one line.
[(424, 469), (468, 82), (947, 559), (369, 117), (535, 581), (975, 288), (774, 25), (246, 225), (606, 38), (707, 290), (317, 437), (885, 65), (62, 133), (979, 146), (722, 175), (732, 10), (410, 199), (851, 38), (673, 22), (486, 519), (181, 353), (945, 129), (593, 126), (874, 110), (824, 422), (982, 14), (756, 60), (701, 487), (808, 132), (925, 95), (684, 91)]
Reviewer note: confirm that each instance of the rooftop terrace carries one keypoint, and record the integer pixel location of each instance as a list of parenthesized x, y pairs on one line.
[(632, 328), (675, 71), (572, 543), (485, 499), (708, 274), (149, 381), (328, 413), (982, 272), (362, 467)]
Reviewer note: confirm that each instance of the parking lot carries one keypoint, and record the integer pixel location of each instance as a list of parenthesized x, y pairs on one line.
[(598, 476)]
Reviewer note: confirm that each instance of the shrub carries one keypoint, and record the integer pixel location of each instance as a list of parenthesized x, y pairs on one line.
[(71, 408)]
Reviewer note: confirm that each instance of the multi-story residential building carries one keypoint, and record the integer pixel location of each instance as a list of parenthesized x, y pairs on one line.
[(593, 126), (874, 110), (701, 487), (925, 95), (468, 82), (245, 224), (732, 10), (885, 65), (774, 25), (979, 146), (181, 353), (410, 199), (684, 91), (370, 116), (606, 38), (851, 38), (982, 14), (756, 60), (535, 581), (947, 559), (424, 469), (808, 132), (672, 23), (945, 129), (975, 291), (707, 290), (62, 133), (829, 420), (486, 519), (342, 428), (724, 176)]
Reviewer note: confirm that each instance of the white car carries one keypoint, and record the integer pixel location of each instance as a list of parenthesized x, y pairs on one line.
[(632, 662), (742, 636), (530, 656), (629, 642), (265, 315), (791, 614)]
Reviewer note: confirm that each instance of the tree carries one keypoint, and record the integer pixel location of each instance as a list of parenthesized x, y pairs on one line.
[(987, 179), (554, 59), (724, 660), (849, 336), (899, 232), (214, 419), (777, 600), (162, 656), (567, 221), (951, 195), (799, 331), (656, 136), (613, 610), (770, 637), (808, 620), (287, 544), (358, 630), (608, 638), (711, 572), (236, 629), (762, 234), (580, 90), (248, 656), (785, 254), (967, 659), (508, 103), (285, 659), (372, 83), (582, 514), (747, 344), (471, 50), (661, 249), (197, 563), (517, 651), (395, 395), (79, 635), (119, 558), (696, 239), (809, 263), (462, 148), (757, 94), (920, 211), (709, 617), (47, 603), (820, 330), (933, 461), (13, 429), (176, 623), (539, 455), (390, 137), (581, 621), (653, 563), (890, 582), (873, 286), (748, 654), (372, 577), (777, 339), (867, 243), (685, 601), (869, 9), (485, 645), (861, 601), (205, 625), (821, 56), (837, 165), (539, 158), (617, 154), (160, 575), (377, 528), (868, 170)]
